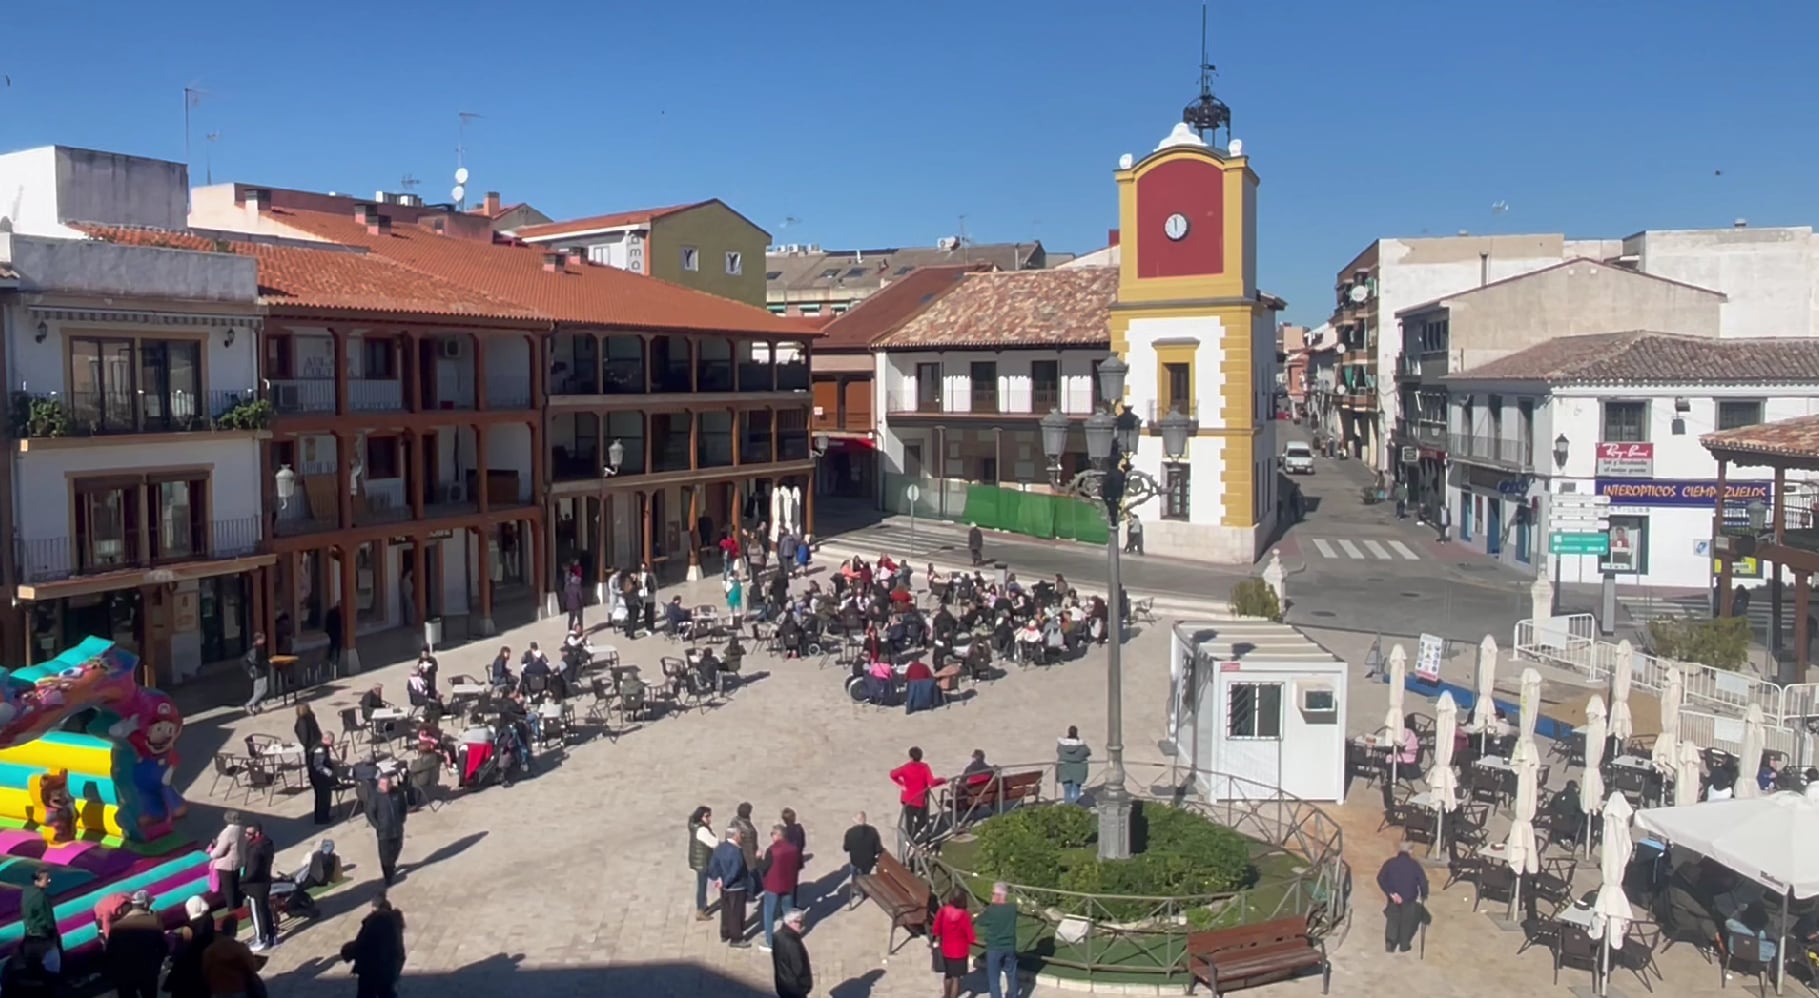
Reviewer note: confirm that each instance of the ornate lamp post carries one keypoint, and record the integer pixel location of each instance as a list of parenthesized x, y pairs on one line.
[(1112, 436)]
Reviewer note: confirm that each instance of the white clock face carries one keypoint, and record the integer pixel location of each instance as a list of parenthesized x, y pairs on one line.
[(1176, 226)]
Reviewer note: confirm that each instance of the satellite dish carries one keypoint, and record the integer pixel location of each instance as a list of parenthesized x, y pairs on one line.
[(458, 193), (461, 175), (1124, 161), (1359, 293), (1236, 146)]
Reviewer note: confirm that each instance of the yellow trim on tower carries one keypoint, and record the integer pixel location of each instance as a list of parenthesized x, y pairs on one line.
[(1234, 281)]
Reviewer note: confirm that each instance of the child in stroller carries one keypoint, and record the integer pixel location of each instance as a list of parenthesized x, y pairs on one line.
[(290, 895)]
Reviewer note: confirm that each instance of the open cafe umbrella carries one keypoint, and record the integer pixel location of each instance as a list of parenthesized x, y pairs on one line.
[(1392, 718), (1686, 775), (1666, 755), (1484, 708), (1519, 849), (1591, 784), (1751, 758), (1622, 671), (1611, 912), (1442, 779)]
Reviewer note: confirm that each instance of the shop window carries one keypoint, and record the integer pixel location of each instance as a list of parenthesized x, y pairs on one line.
[(1176, 480), (1625, 422), (1254, 710), (1733, 413)]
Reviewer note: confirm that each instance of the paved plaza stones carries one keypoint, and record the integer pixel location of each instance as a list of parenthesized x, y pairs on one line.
[(576, 882)]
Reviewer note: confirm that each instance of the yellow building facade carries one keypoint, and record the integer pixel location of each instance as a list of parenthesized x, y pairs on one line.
[(1198, 336)]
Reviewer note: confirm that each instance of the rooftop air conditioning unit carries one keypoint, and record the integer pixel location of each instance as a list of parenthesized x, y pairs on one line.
[(449, 346)]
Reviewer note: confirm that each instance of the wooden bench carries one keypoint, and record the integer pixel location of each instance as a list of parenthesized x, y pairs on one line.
[(988, 792), (1229, 959), (905, 897)]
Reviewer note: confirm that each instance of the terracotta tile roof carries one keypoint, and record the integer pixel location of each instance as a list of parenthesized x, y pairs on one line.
[(855, 271), (1789, 438), (1574, 261), (583, 294), (1015, 308), (329, 278), (1643, 357), (616, 220), (900, 301)]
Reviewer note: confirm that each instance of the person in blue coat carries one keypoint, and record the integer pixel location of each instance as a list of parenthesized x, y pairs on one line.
[(727, 871)]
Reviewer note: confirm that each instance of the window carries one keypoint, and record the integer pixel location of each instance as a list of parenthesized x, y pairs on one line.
[(1733, 413), (856, 272), (1045, 385), (1178, 385), (378, 359), (840, 309), (1176, 479), (1253, 710), (177, 518), (928, 387), (123, 385), (735, 262), (1625, 422), (107, 525), (771, 275), (691, 258), (830, 273), (985, 386), (381, 458), (808, 309), (777, 308)]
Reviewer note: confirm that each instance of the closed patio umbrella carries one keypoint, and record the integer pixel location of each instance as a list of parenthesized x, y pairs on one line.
[(1531, 712), (1611, 912), (1442, 779), (1392, 718), (1519, 848), (1622, 671), (1666, 754), (1591, 785), (1686, 775), (1484, 708), (1751, 758)]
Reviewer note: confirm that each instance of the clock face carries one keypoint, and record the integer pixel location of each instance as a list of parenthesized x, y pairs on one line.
[(1175, 227)]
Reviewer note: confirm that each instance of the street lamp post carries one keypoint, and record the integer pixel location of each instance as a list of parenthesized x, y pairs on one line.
[(1562, 450), (1112, 436)]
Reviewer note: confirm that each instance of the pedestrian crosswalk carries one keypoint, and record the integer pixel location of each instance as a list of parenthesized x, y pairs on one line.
[(1363, 549)]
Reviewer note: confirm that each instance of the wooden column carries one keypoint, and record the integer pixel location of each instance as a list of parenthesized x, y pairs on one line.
[(539, 461), (344, 479), (650, 426), (694, 440), (599, 365), (479, 373), (417, 486), (480, 465), (255, 580), (602, 551), (738, 431), (484, 548), (419, 581), (774, 430), (410, 371), (693, 539), (1803, 601), (644, 508), (1724, 563), (1780, 508), (808, 506), (268, 583), (600, 437), (338, 336), (540, 561), (350, 611)]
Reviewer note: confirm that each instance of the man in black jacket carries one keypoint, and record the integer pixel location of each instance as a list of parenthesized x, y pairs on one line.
[(136, 948), (1404, 886), (322, 777), (256, 884), (789, 958), (385, 811), (862, 846), (377, 952)]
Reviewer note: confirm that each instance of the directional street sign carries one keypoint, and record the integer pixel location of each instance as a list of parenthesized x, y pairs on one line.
[(1571, 513), (1578, 543)]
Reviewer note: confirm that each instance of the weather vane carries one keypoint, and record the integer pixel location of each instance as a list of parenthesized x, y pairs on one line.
[(1207, 114)]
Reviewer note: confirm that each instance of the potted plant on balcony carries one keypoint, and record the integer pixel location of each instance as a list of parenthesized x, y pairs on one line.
[(38, 415), (249, 412)]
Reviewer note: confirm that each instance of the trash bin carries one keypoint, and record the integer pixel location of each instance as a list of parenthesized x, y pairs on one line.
[(432, 632), (1003, 571)]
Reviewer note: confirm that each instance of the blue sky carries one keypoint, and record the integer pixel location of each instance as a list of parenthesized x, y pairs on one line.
[(883, 123)]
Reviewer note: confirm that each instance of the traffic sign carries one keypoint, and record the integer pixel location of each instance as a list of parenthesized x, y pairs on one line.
[(912, 493), (1559, 542)]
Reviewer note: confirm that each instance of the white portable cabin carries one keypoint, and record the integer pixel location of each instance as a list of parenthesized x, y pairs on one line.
[(1258, 706)]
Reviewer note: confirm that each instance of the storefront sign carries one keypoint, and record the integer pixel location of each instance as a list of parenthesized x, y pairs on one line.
[(1626, 460), (1680, 491)]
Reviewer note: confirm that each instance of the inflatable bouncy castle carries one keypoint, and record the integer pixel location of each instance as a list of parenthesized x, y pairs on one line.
[(86, 760)]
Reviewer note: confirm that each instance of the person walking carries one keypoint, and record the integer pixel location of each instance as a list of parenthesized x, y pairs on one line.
[(781, 868), (748, 835), (804, 551), (43, 941), (377, 951), (786, 555), (975, 543), (571, 594), (998, 926), (258, 665), (701, 843), (915, 780), (862, 846), (789, 958), (735, 600), (256, 880), (727, 871), (1404, 886), (385, 811), (1133, 535), (322, 777), (224, 855), (136, 949), (189, 942), (952, 936), (1070, 764)]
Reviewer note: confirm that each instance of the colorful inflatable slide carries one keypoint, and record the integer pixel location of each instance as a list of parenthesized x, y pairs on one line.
[(86, 758)]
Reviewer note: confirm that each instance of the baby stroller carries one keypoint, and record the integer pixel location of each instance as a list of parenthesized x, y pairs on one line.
[(509, 759), (290, 896)]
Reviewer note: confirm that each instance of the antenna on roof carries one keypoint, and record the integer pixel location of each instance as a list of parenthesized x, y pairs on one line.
[(208, 157), (459, 194), (192, 98), (408, 183), (1207, 114)]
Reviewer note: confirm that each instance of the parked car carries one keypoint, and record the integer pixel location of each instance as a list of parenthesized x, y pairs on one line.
[(1297, 458)]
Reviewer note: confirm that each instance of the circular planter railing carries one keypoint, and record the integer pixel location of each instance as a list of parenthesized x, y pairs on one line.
[(1114, 938)]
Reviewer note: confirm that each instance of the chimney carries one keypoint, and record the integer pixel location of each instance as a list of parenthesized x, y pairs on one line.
[(1111, 237), (256, 200), (491, 205), (553, 262), (1741, 223), (573, 258), (377, 224)]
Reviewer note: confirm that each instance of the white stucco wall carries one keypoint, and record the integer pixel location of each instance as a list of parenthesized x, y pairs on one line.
[(42, 496), (1769, 276), (43, 367), (1015, 388), (44, 187)]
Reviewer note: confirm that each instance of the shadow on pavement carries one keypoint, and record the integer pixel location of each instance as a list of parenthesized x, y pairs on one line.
[(505, 974)]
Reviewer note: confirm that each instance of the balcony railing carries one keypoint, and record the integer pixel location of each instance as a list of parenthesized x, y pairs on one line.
[(52, 559), (508, 391), (303, 396), (1157, 410), (1015, 402), (96, 414), (793, 376), (1489, 449), (374, 394)]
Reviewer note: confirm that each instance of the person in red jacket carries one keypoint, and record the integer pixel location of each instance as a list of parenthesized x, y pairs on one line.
[(781, 870), (916, 780), (952, 933)]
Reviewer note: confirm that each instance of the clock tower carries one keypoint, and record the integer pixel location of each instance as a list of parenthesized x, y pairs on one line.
[(1199, 337)]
